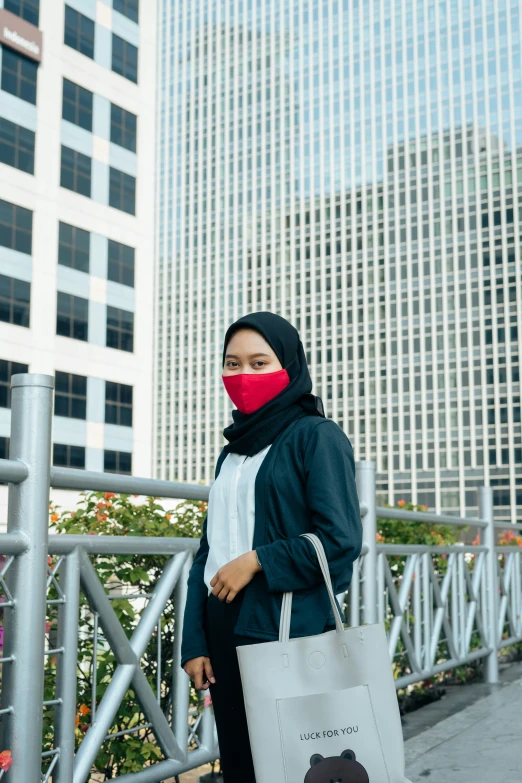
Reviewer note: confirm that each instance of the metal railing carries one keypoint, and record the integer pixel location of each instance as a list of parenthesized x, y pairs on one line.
[(436, 618)]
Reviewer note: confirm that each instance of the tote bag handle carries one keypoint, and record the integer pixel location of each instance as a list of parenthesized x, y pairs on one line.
[(286, 606)]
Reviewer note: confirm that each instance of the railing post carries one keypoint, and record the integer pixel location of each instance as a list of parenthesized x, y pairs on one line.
[(365, 479), (66, 667), (180, 680), (28, 513), (489, 540)]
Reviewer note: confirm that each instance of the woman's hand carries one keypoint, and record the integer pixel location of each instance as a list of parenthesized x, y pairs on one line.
[(200, 670), (234, 576)]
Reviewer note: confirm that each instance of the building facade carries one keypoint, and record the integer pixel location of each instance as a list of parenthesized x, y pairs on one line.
[(356, 167), (77, 125)]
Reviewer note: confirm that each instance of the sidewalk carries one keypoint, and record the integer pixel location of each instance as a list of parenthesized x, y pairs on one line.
[(480, 744)]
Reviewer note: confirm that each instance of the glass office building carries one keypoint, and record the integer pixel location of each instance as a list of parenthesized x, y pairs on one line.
[(356, 167)]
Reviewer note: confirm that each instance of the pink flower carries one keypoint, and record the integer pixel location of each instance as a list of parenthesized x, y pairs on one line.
[(208, 700), (5, 760)]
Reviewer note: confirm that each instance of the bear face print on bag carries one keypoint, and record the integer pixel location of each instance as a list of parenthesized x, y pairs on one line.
[(336, 769)]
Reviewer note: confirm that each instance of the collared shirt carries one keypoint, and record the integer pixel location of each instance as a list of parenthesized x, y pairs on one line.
[(231, 511)]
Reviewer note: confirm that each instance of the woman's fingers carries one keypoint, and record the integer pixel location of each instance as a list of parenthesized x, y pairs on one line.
[(208, 671), (223, 593), (218, 587), (200, 671), (200, 680)]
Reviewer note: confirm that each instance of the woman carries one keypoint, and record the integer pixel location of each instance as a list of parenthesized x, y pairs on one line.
[(286, 470)]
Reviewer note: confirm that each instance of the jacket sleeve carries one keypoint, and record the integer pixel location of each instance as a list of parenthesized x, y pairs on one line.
[(331, 496), (193, 640)]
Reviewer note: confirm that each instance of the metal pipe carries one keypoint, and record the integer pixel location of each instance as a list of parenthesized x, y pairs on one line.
[(180, 680), (121, 545), (207, 734), (94, 684), (66, 667), (95, 737), (489, 540), (452, 663), (97, 598), (70, 478), (365, 478), (423, 516), (14, 543), (421, 549), (157, 773), (13, 471), (23, 680), (128, 654), (129, 732), (152, 710)]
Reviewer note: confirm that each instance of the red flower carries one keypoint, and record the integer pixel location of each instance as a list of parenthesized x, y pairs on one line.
[(401, 503), (109, 495), (5, 760)]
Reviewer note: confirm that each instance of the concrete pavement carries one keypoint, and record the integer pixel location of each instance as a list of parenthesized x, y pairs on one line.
[(480, 744)]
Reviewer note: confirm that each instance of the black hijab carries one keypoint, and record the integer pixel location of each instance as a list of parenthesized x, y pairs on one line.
[(252, 432)]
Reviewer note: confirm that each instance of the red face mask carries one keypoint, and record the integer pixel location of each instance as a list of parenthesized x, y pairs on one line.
[(249, 391)]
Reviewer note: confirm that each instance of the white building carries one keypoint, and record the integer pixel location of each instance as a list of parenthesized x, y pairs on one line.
[(77, 221), (355, 166)]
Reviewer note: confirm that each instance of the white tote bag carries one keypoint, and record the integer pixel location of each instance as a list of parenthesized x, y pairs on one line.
[(323, 708)]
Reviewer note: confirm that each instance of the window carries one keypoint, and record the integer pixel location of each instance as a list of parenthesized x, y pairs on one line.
[(68, 456), (16, 227), (74, 247), (4, 451), (75, 171), (7, 369), (123, 127), (4, 448), (19, 75), (117, 462), (77, 105), (128, 8), (15, 297), (124, 58), (79, 32), (122, 191), (70, 399), (118, 404), (26, 9), (121, 263), (72, 317), (16, 146), (120, 329)]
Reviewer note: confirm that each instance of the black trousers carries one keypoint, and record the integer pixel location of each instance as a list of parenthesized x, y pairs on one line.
[(227, 693)]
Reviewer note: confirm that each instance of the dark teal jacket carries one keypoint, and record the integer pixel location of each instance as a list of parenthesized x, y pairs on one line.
[(305, 484)]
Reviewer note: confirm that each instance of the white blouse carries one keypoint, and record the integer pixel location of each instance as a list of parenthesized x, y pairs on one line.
[(231, 511)]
